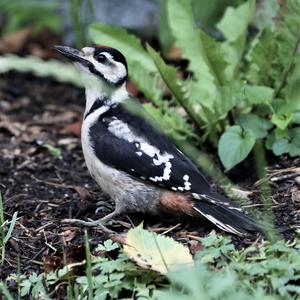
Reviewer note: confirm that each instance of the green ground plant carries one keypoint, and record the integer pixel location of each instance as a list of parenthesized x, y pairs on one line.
[(259, 271)]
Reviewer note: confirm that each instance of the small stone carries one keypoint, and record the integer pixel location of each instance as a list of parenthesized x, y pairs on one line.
[(297, 180)]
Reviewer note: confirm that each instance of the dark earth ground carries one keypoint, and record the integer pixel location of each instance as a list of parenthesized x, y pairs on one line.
[(44, 189)]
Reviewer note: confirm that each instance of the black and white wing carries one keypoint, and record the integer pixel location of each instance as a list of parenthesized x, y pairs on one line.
[(128, 142)]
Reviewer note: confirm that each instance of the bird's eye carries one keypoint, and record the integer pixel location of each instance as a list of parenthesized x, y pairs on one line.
[(101, 58)]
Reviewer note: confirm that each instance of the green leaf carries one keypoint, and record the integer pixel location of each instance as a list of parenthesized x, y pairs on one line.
[(256, 94), (259, 126), (169, 75), (292, 89), (172, 123), (229, 97), (215, 55), (157, 252), (235, 145), (280, 146), (282, 121), (234, 26), (265, 14), (260, 57), (60, 71), (287, 42), (296, 118), (141, 68), (187, 37), (289, 144), (55, 152)]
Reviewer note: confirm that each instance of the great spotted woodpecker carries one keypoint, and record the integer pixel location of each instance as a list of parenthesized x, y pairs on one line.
[(131, 160)]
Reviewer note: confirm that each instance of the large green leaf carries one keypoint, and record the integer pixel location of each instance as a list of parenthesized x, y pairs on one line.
[(187, 37), (142, 70), (287, 42), (169, 75), (258, 125), (234, 26), (256, 94), (234, 146), (289, 144)]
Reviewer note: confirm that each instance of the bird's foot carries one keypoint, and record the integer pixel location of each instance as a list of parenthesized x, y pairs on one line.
[(90, 223)]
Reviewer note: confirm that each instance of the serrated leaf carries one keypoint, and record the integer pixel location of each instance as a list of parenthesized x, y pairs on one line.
[(234, 26), (156, 252), (287, 42), (215, 55), (292, 89), (173, 125), (256, 94), (141, 68), (234, 146), (260, 57), (187, 37), (230, 96), (259, 126), (169, 75)]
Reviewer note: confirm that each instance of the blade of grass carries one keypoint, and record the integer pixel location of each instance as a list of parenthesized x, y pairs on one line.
[(2, 234), (5, 291), (11, 227), (88, 266)]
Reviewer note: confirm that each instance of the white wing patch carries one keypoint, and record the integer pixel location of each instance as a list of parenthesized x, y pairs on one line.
[(121, 130)]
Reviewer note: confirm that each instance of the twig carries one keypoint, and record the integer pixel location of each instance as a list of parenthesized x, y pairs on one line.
[(284, 177)]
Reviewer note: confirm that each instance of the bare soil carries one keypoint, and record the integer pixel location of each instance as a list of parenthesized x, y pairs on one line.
[(45, 189)]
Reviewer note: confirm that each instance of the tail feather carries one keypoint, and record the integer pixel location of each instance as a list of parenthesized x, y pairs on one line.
[(225, 215)]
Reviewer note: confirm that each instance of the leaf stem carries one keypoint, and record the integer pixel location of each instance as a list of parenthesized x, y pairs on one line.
[(265, 189)]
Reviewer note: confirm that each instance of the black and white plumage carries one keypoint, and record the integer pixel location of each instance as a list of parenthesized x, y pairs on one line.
[(132, 160)]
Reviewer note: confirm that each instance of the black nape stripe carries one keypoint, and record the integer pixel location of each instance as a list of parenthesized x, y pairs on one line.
[(97, 104)]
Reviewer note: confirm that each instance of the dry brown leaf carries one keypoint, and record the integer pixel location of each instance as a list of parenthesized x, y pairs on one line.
[(14, 41), (84, 194)]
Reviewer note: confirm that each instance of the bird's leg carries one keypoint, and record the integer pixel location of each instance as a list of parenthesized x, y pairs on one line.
[(97, 223)]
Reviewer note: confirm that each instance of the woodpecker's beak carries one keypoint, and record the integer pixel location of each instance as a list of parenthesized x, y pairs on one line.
[(71, 53)]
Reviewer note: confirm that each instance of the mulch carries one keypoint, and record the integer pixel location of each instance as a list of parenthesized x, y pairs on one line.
[(45, 187)]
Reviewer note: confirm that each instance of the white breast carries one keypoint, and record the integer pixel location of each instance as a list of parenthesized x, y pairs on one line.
[(109, 179)]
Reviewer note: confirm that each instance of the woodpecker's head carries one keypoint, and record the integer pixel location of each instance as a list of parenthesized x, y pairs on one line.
[(105, 63)]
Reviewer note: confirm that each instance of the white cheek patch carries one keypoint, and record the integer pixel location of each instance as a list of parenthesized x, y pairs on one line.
[(113, 71)]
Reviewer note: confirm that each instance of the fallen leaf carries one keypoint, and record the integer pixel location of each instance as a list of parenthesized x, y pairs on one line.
[(84, 194), (14, 41), (156, 252), (68, 235), (52, 262), (195, 246), (74, 128)]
